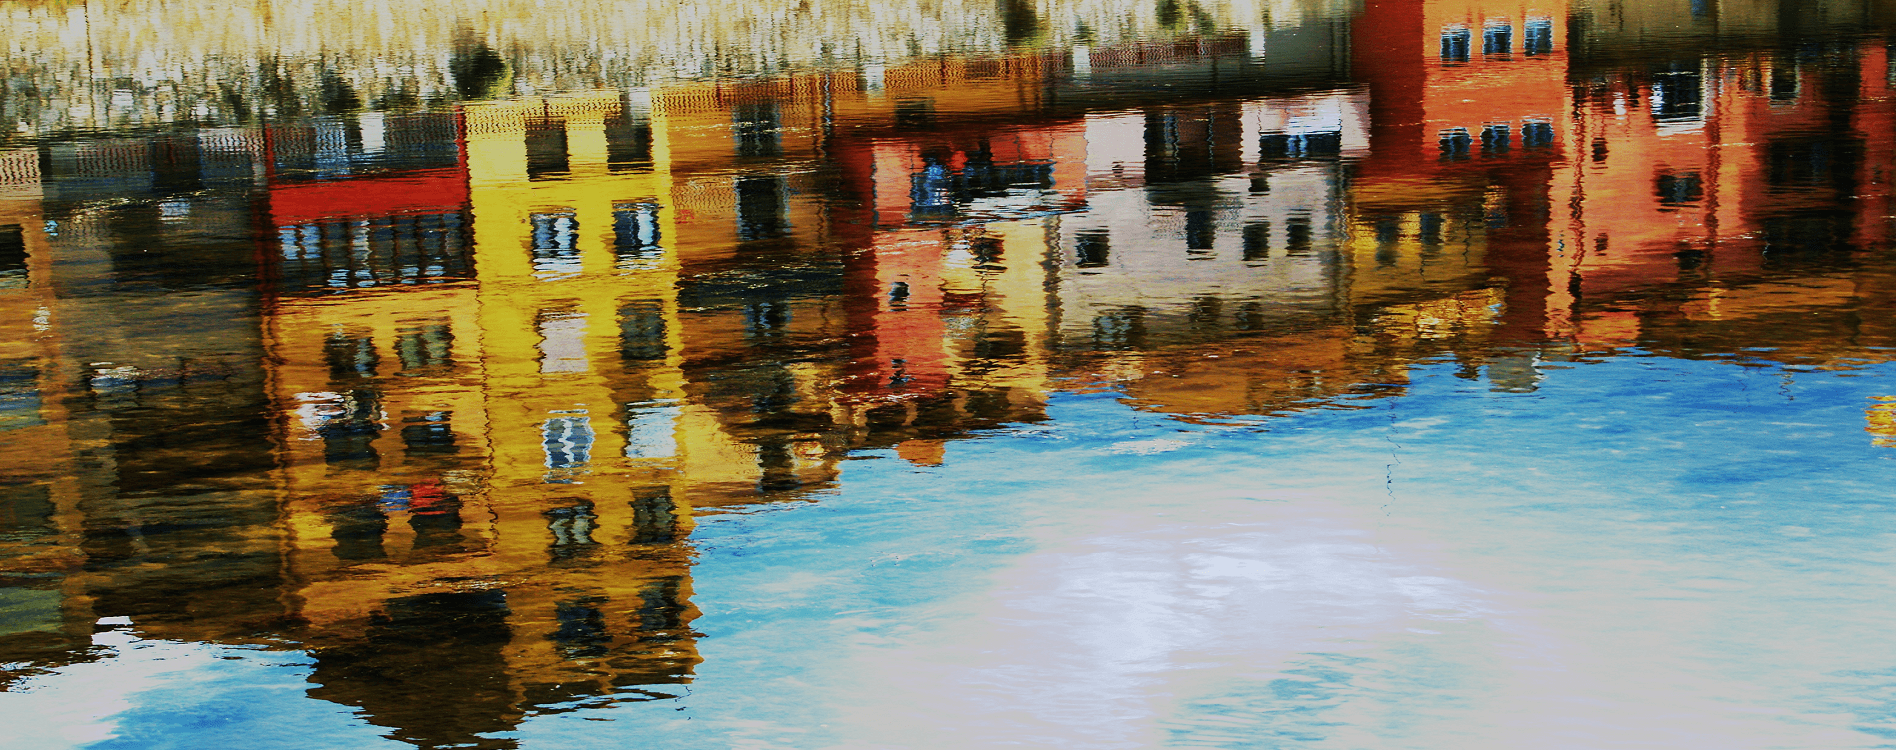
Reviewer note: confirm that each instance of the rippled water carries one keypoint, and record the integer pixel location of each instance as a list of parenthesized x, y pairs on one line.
[(1399, 374)]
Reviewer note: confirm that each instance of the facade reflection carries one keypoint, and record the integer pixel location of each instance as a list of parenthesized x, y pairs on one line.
[(436, 393)]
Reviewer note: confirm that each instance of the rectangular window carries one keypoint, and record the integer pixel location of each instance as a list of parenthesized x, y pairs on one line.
[(424, 349), (651, 430), (1497, 139), (1455, 143), (567, 439), (642, 331), (1092, 249), (1538, 37), (1497, 39), (761, 210), (1679, 95), (628, 141), (12, 257), (756, 129), (430, 434), (1537, 134), (555, 245), (1455, 44), (1257, 240), (1298, 235), (654, 515), (635, 236), (19, 396), (546, 148), (562, 341)]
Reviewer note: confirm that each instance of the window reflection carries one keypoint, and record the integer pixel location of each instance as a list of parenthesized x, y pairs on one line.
[(1538, 37), (12, 257), (642, 331), (19, 395), (555, 245), (1455, 143), (424, 349), (429, 434), (756, 130), (1092, 249), (1456, 42), (1679, 189), (567, 439), (546, 148), (651, 430), (572, 527), (581, 628), (1497, 38), (562, 340), (635, 236), (654, 515), (762, 212)]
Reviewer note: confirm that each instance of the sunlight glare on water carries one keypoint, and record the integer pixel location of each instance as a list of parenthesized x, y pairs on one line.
[(1065, 374)]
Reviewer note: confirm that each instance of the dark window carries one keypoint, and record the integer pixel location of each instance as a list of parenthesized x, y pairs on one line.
[(1455, 143), (349, 433), (425, 349), (350, 356), (357, 528), (1119, 330), (1455, 44), (26, 512), (1297, 235), (572, 528), (340, 255), (1092, 249), (12, 257), (1538, 37), (756, 130), (987, 253), (642, 331), (19, 396), (1201, 230), (1283, 146), (1537, 134), (555, 245), (1257, 240), (1785, 83), (761, 210), (628, 141), (582, 629), (765, 319), (1678, 95), (1496, 140), (1429, 227), (430, 434), (654, 515), (635, 235), (546, 148), (1497, 39), (1679, 189), (914, 114)]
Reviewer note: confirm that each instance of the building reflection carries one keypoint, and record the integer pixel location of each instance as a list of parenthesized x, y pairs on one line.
[(438, 395)]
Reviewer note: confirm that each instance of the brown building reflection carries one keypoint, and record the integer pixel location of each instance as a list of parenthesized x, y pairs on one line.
[(438, 396)]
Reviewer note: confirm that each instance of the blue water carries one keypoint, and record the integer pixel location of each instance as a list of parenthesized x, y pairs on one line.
[(1641, 552)]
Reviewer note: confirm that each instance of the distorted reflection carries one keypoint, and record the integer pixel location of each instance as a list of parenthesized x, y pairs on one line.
[(426, 354)]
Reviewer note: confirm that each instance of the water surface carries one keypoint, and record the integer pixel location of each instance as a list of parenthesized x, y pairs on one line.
[(1404, 374)]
